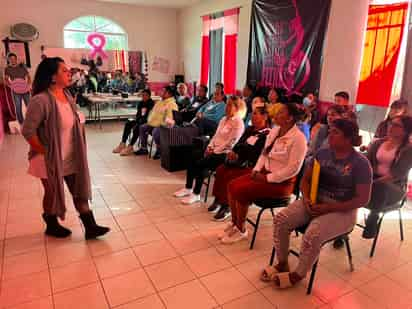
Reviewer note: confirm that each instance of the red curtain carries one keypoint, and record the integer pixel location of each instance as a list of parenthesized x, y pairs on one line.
[(205, 60), (381, 50), (231, 29)]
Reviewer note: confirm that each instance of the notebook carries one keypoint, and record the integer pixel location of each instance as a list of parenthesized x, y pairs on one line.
[(315, 182)]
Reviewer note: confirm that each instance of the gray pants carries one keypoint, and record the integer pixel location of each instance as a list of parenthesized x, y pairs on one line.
[(320, 229), (18, 99)]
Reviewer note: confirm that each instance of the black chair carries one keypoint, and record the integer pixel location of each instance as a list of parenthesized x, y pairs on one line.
[(271, 204), (302, 230), (391, 208), (207, 183)]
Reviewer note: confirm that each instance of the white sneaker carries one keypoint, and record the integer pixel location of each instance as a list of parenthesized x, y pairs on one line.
[(191, 199), (182, 193), (234, 237), (127, 151), (228, 228), (119, 148)]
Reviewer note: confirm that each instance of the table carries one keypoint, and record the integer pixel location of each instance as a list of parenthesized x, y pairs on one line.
[(117, 106)]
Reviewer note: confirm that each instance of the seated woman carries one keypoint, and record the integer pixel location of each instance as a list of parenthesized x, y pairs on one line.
[(143, 109), (397, 108), (209, 115), (182, 96), (257, 102), (391, 159), (274, 173), (239, 161), (344, 186), (229, 131)]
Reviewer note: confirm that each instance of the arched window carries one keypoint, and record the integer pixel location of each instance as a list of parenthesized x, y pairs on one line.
[(76, 32)]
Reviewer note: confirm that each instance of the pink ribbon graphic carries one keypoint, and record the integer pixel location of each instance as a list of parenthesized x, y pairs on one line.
[(97, 42)]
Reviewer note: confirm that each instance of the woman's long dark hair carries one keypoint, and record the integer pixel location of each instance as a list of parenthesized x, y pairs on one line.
[(407, 127), (44, 74)]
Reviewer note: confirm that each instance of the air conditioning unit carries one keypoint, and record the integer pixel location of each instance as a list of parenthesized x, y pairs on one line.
[(24, 32)]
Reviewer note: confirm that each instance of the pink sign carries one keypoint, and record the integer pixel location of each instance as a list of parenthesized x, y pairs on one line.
[(97, 42)]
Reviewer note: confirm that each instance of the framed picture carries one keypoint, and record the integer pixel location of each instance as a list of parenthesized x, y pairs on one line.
[(20, 48)]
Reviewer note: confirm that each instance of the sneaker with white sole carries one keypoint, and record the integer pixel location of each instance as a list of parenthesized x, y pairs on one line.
[(119, 148), (223, 214), (127, 151), (182, 193), (228, 229), (214, 207), (191, 199), (234, 237)]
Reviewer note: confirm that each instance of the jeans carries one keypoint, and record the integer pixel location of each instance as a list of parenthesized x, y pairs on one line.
[(144, 132), (18, 98), (130, 125)]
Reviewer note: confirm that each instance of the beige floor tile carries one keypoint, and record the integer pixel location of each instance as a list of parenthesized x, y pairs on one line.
[(169, 273), (355, 300), (387, 293), (68, 253), (227, 285), (133, 221), (111, 242), (85, 297), (24, 264), (187, 296), (188, 242), (254, 300), (116, 263), (155, 252), (22, 289), (149, 302), (206, 261), (127, 287), (143, 235), (73, 275), (42, 303)]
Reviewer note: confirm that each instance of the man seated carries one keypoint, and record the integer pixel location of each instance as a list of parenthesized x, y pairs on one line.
[(209, 115), (161, 114), (342, 99), (143, 109), (189, 112), (182, 96)]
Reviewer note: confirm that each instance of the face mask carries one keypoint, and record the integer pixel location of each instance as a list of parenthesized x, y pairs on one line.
[(306, 101)]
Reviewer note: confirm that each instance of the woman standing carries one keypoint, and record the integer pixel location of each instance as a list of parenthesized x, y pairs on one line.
[(58, 151)]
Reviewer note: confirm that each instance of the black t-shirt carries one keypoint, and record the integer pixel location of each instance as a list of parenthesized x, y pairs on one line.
[(144, 104)]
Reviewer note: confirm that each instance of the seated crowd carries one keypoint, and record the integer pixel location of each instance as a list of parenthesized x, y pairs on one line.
[(261, 144)]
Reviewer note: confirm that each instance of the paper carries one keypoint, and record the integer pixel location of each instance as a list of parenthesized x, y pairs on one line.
[(315, 182)]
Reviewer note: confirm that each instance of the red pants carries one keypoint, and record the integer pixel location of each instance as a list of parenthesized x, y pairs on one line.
[(246, 190), (224, 175)]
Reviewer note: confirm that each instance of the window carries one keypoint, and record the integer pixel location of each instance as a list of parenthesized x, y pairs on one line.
[(76, 32)]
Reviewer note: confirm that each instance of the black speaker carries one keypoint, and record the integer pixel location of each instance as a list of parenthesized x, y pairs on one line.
[(179, 79)]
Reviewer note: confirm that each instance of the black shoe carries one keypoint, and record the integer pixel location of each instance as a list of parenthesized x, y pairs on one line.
[(338, 243), (92, 229), (156, 156), (54, 228), (223, 214), (213, 208), (371, 227), (141, 152)]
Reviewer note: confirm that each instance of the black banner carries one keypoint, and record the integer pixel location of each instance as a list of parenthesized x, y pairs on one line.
[(286, 41)]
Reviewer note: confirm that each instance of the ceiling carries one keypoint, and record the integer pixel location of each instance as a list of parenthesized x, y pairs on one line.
[(157, 3)]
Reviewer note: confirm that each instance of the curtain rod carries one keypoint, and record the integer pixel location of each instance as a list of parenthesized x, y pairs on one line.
[(237, 7)]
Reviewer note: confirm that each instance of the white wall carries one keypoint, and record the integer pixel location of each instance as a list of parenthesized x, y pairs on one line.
[(342, 51), (151, 29), (190, 27)]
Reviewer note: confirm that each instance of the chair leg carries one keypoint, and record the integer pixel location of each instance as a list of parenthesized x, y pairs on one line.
[(272, 256), (400, 223), (349, 252), (271, 210), (207, 186), (375, 240), (256, 228), (312, 277), (151, 148)]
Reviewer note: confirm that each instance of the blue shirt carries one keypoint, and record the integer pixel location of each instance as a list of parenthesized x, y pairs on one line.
[(339, 177), (214, 111)]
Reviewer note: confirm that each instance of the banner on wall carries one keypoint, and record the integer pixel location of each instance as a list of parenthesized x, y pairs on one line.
[(286, 42)]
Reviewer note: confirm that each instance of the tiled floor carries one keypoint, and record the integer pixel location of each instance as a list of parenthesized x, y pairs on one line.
[(161, 254)]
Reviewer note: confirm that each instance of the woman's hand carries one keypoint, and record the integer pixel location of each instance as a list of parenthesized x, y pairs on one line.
[(257, 176), (232, 156), (208, 151), (316, 210)]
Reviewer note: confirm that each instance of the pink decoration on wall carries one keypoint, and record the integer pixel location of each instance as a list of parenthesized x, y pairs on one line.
[(97, 42)]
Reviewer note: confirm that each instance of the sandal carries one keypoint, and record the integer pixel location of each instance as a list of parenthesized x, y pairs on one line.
[(284, 281), (268, 274)]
